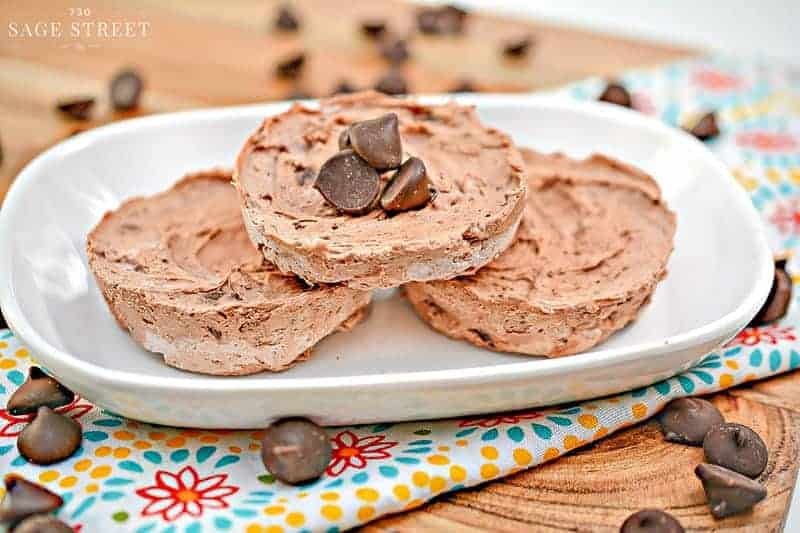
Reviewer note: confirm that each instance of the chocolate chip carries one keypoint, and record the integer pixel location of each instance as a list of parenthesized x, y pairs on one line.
[(651, 521), (518, 47), (444, 20), (780, 296), (286, 19), (76, 108), (373, 28), (348, 183), (42, 524), (377, 141), (728, 492), (39, 389), (706, 127), (409, 188), (395, 52), (344, 87), (615, 93), (49, 438), (126, 90), (736, 447), (392, 83), (463, 86), (24, 499), (295, 450), (687, 420), (291, 67)]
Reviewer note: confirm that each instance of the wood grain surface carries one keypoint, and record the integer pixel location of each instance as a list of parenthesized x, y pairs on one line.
[(203, 53)]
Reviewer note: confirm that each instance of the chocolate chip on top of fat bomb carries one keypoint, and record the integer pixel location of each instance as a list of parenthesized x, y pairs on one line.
[(780, 296), (38, 390), (295, 450), (616, 93), (51, 437), (409, 188), (441, 20), (76, 108), (728, 492), (737, 448), (24, 498), (349, 183), (651, 521), (42, 524), (377, 141), (286, 20), (688, 420), (126, 90)]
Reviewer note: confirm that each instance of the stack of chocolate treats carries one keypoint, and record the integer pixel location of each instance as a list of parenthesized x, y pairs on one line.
[(503, 247)]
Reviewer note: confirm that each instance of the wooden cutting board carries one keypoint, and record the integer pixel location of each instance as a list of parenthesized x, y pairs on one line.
[(203, 53)]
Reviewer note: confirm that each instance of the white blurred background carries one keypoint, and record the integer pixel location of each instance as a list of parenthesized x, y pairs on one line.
[(761, 28)]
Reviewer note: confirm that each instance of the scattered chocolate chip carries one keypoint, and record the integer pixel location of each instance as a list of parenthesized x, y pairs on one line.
[(728, 492), (49, 438), (295, 450), (651, 521), (441, 20), (373, 28), (518, 47), (126, 90), (615, 93), (377, 141), (76, 108), (305, 176), (39, 389), (286, 19), (392, 83), (463, 86), (291, 67), (42, 524), (687, 420), (344, 87), (3, 324), (409, 188), (348, 183), (780, 296), (736, 447), (706, 127), (24, 499), (395, 52)]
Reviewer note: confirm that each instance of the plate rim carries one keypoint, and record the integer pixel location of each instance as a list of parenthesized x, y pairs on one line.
[(731, 321)]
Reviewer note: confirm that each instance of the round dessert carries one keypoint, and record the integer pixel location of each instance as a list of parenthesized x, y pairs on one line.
[(476, 172), (593, 243), (180, 274)]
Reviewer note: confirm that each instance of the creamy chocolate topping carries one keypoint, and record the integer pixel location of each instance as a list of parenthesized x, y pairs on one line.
[(593, 243), (476, 170), (179, 272)]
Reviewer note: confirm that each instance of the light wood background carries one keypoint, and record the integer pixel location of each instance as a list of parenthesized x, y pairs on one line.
[(203, 53)]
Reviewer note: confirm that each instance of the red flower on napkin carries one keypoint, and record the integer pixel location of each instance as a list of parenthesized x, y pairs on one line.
[(767, 141), (767, 334), (715, 81), (350, 450), (185, 493), (13, 425), (787, 217)]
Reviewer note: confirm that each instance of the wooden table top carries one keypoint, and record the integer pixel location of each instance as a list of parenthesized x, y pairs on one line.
[(197, 54)]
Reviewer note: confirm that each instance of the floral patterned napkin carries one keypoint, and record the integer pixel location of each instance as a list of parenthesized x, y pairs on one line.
[(130, 476)]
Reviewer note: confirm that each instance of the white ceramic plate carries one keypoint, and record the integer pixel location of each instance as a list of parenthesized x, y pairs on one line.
[(391, 367)]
